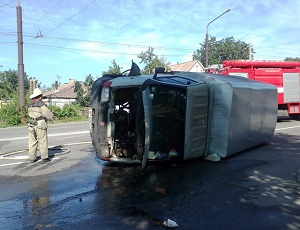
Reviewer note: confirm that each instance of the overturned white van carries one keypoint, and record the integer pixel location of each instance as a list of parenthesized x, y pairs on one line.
[(137, 118)]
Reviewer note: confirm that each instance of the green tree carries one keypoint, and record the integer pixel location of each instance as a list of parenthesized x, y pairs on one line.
[(292, 59), (152, 61), (88, 82), (58, 78), (9, 84), (80, 93), (10, 113), (114, 69), (225, 49), (83, 94)]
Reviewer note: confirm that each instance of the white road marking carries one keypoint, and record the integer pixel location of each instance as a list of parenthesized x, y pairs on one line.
[(17, 163), (19, 157), (75, 143), (49, 135), (292, 127), (5, 156), (66, 134)]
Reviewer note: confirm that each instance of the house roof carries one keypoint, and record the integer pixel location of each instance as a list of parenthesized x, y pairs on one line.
[(63, 91), (186, 66)]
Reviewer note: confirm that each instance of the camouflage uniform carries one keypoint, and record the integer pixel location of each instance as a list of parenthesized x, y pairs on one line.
[(39, 115)]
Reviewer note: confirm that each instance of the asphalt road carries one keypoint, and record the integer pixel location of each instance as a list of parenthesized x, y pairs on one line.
[(257, 189)]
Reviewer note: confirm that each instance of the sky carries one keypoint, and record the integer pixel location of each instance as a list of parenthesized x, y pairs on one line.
[(65, 39)]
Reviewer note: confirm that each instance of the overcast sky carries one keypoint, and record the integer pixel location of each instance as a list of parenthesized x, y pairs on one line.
[(75, 38)]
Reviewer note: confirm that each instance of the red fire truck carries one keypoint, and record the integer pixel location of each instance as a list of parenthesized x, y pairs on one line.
[(284, 74)]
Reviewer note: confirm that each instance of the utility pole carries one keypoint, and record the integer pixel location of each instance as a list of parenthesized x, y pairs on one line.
[(21, 87), (250, 52)]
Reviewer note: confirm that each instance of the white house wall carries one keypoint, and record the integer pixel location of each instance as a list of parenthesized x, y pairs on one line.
[(197, 68), (60, 102)]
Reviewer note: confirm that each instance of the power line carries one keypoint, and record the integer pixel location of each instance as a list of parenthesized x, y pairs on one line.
[(8, 4), (159, 47), (34, 24), (280, 32), (76, 49), (135, 54), (48, 11), (132, 45), (136, 45), (122, 44), (108, 43), (277, 47), (8, 42), (71, 17), (94, 51)]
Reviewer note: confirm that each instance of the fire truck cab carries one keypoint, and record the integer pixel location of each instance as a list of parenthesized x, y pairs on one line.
[(285, 75)]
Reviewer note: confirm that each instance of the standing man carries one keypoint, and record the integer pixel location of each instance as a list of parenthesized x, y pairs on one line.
[(39, 115)]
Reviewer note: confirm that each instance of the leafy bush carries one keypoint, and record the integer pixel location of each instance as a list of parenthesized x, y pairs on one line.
[(10, 113), (68, 112), (56, 111)]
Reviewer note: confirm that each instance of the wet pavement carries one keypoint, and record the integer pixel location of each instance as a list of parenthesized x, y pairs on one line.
[(257, 189)]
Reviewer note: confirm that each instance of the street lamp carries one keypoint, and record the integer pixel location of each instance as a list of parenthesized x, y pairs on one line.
[(206, 38)]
